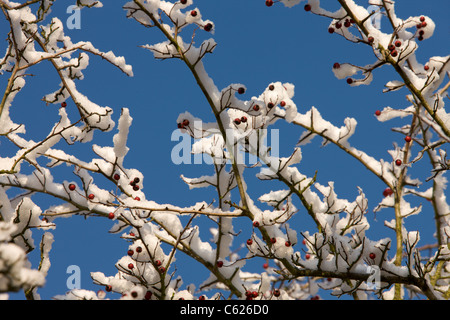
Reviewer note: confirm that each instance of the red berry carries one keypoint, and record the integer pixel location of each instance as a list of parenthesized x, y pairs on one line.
[(158, 263), (422, 18), (270, 105), (254, 294), (130, 252), (183, 1), (394, 53), (256, 224), (283, 103), (162, 269), (387, 192), (108, 288), (241, 90), (315, 298), (336, 65), (134, 294), (269, 3), (391, 47), (370, 39), (398, 43), (330, 29), (237, 121), (271, 87), (131, 234), (276, 293), (265, 265), (424, 24), (307, 256), (256, 107), (249, 242), (398, 162), (219, 264), (91, 196), (135, 187), (244, 119), (148, 295), (273, 240), (202, 298), (130, 266), (338, 25), (372, 255), (426, 67), (378, 112), (185, 122), (116, 176), (137, 198), (180, 126), (408, 139), (111, 215), (138, 249), (208, 27), (307, 7), (347, 23), (420, 38), (72, 187), (349, 80), (64, 104), (287, 243), (193, 13)]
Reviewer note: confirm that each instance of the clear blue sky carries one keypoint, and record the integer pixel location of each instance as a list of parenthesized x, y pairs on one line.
[(256, 46)]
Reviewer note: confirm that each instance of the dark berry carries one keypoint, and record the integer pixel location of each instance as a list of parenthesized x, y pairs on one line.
[(307, 7), (208, 27), (241, 90)]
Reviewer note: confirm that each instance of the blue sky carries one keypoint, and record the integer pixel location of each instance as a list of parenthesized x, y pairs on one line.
[(256, 46)]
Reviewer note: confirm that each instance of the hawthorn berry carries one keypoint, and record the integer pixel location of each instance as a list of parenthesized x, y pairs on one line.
[(158, 263), (219, 264), (72, 187), (249, 242), (398, 43), (108, 288), (202, 298), (307, 256), (185, 122), (349, 80), (372, 255), (304, 241), (408, 139), (256, 224), (134, 294), (137, 198), (64, 104), (130, 252), (378, 112), (148, 295), (111, 215), (394, 53), (270, 105), (91, 196), (426, 67), (269, 3), (347, 23), (370, 39), (283, 103), (208, 27), (254, 294), (336, 65), (237, 121), (130, 266), (193, 13), (423, 24), (244, 119), (287, 243), (162, 269), (265, 265), (398, 162), (391, 47), (183, 1), (116, 176), (138, 249), (256, 107), (276, 293), (135, 187), (273, 240), (422, 19), (136, 180), (387, 192), (241, 90), (330, 30), (307, 7), (338, 25)]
